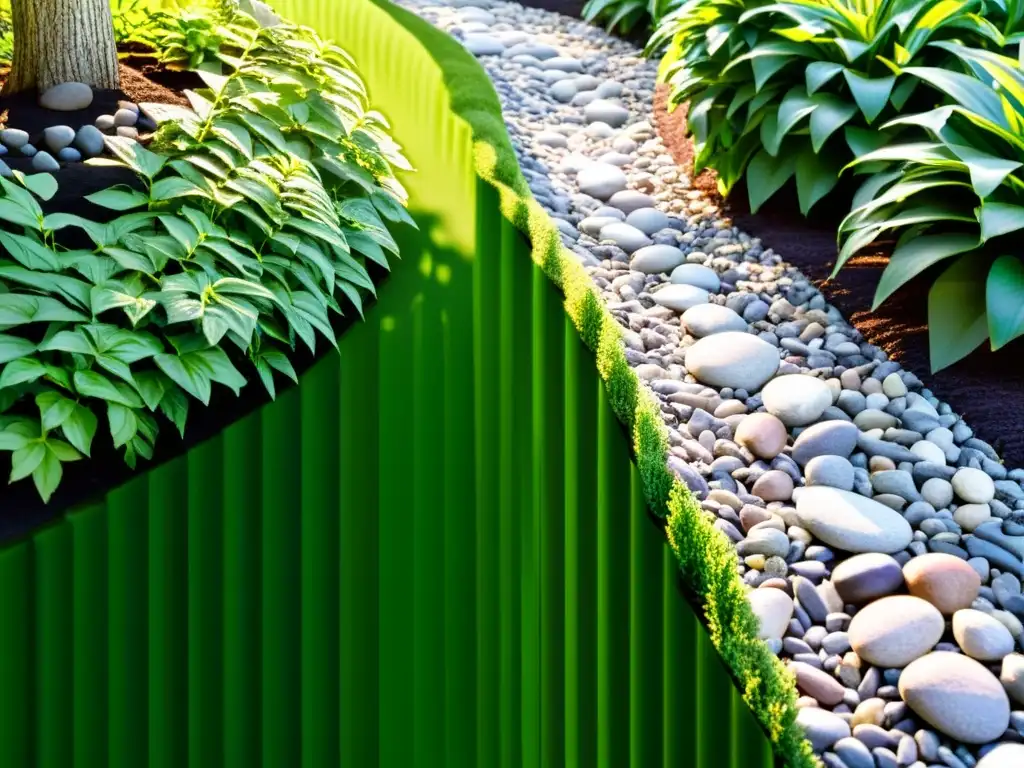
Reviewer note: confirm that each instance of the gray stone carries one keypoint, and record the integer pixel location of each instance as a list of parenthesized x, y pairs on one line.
[(698, 275), (13, 138), (821, 727), (126, 117), (628, 200), (973, 486), (605, 111), (601, 180), (897, 482), (833, 471), (89, 141), (648, 220), (831, 438), (43, 161), (478, 45), (105, 123), (656, 259), (796, 399), (56, 137), (732, 359), (895, 630), (957, 696), (773, 609), (1003, 756), (67, 97), (851, 522), (680, 297), (705, 319), (629, 239), (69, 155), (980, 636)]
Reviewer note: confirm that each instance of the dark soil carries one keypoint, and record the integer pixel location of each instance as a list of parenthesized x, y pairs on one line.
[(986, 387), (21, 510)]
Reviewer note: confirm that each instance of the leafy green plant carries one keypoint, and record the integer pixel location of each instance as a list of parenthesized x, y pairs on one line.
[(798, 88), (257, 216), (957, 195), (626, 15)]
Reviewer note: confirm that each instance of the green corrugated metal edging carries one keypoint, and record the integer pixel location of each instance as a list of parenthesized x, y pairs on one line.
[(433, 552)]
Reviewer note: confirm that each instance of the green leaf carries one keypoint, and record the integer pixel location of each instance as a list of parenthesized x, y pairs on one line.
[(988, 172), (831, 114), (80, 427), (1004, 300), (17, 309), (21, 371), (871, 94), (118, 199), (766, 176), (54, 409), (13, 347), (173, 187), (189, 373), (123, 425), (92, 384), (957, 324), (62, 450), (47, 474), (29, 252), (25, 460), (820, 72), (815, 177), (174, 405), (999, 219), (912, 258), (42, 184), (136, 156), (862, 142)]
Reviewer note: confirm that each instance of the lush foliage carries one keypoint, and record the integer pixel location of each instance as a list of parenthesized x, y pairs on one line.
[(627, 15), (258, 214), (798, 88), (956, 197)]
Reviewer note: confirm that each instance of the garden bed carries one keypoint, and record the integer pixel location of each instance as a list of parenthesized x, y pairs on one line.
[(988, 387)]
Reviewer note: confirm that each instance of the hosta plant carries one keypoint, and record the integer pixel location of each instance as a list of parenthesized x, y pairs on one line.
[(798, 88), (252, 228), (954, 199), (624, 16)]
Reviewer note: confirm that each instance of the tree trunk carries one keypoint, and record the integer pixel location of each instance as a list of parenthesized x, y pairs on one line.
[(62, 41)]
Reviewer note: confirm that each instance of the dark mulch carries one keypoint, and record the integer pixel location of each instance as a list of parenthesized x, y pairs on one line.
[(986, 387), (574, 9), (21, 510)]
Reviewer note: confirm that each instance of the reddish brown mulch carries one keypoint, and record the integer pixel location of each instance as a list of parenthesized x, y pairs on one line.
[(986, 387)]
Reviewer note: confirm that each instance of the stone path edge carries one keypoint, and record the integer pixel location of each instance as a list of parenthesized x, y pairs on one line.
[(705, 555)]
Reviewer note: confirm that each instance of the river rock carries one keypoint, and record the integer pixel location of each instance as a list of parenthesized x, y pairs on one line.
[(760, 433), (852, 522), (863, 578), (980, 636), (829, 438), (945, 581), (44, 162), (821, 727), (957, 696), (821, 685), (1003, 756), (648, 220), (1012, 676), (601, 180), (796, 399), (970, 516), (655, 259), (773, 609), (774, 485), (56, 137), (67, 97), (629, 200), (680, 297), (605, 111), (89, 141), (895, 630), (13, 138), (732, 359), (628, 238), (126, 117), (705, 319), (833, 471), (699, 275), (973, 486)]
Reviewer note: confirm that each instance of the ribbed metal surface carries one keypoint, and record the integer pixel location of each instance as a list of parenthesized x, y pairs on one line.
[(433, 552)]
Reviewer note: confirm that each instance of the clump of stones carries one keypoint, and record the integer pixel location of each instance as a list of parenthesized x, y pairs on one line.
[(66, 144), (882, 541)]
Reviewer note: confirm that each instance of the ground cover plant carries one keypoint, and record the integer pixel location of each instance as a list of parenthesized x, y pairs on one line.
[(797, 89), (251, 229), (956, 198), (625, 16)]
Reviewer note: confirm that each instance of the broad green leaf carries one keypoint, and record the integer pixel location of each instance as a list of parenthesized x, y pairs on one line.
[(871, 94), (816, 176), (62, 450), (14, 347), (17, 309), (999, 219), (820, 72), (957, 323), (21, 371), (122, 424), (174, 405), (54, 409), (172, 187), (25, 460), (93, 384), (47, 474), (831, 114), (29, 252), (13, 439), (766, 175), (1004, 300), (80, 427), (988, 172), (189, 373), (912, 258), (118, 199)]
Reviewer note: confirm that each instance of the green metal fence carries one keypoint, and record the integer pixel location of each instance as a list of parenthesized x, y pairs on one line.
[(433, 552)]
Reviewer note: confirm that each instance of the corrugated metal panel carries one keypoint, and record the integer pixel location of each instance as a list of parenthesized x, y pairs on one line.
[(433, 552)]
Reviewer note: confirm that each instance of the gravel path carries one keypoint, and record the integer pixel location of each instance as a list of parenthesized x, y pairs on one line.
[(883, 543)]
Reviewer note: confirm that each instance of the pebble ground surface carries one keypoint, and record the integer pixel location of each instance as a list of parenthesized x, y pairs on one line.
[(882, 542)]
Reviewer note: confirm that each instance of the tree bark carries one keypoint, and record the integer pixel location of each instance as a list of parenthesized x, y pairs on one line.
[(62, 41)]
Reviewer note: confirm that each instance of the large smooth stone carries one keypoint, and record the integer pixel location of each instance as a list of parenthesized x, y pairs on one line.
[(957, 696), (656, 259), (56, 137), (796, 399), (1012, 676), (629, 239), (817, 683), (605, 111), (832, 471), (973, 486), (89, 141), (699, 275), (863, 578), (483, 45), (732, 359), (680, 297), (601, 180), (896, 630), (760, 433), (707, 319), (945, 581), (980, 636), (648, 220), (851, 522), (821, 727), (829, 438), (1003, 756), (67, 97), (629, 200), (773, 609)]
